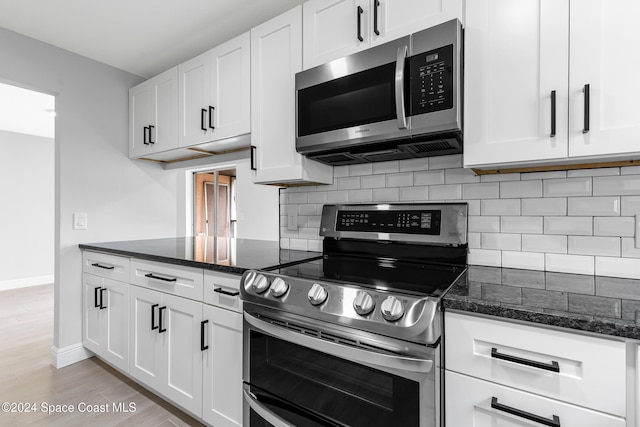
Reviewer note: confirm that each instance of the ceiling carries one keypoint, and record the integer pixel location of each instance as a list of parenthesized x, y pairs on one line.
[(143, 37)]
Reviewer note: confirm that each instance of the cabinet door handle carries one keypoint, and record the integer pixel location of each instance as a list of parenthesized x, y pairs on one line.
[(376, 5), (211, 111), (160, 311), (222, 291), (553, 422), (553, 366), (586, 108), (203, 113), (102, 307), (360, 11), (144, 135), (96, 304), (553, 113), (202, 346), (153, 317), (106, 267), (253, 158), (151, 141), (164, 279)]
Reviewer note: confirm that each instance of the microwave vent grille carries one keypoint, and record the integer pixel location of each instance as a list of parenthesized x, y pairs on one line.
[(424, 147), (335, 159)]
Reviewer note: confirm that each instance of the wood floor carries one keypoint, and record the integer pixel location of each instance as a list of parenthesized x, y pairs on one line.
[(26, 376)]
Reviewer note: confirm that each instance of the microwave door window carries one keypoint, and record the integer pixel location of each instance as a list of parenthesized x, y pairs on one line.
[(353, 100)]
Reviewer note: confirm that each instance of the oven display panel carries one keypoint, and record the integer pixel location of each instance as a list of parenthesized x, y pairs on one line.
[(409, 222)]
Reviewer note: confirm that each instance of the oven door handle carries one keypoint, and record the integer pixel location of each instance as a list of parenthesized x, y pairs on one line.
[(264, 412), (350, 353), (399, 80)]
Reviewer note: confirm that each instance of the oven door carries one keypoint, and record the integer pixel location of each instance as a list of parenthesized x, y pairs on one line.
[(298, 372)]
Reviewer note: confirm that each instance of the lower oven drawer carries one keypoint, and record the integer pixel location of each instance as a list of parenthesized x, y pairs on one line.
[(577, 369), (473, 402)]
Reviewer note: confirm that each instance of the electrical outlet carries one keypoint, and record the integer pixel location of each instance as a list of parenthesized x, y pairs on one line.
[(292, 221), (637, 231)]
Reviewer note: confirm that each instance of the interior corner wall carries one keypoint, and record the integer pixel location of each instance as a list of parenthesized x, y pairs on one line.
[(26, 220), (123, 199)]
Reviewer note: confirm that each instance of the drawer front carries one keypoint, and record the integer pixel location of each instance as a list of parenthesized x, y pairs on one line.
[(222, 290), (582, 370), (172, 279), (105, 265), (473, 402)]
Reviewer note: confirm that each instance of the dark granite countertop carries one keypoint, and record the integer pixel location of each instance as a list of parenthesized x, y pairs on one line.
[(603, 305), (220, 254)]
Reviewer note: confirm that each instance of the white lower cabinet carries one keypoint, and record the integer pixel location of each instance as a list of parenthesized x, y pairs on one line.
[(222, 370), (478, 403), (105, 329), (165, 345)]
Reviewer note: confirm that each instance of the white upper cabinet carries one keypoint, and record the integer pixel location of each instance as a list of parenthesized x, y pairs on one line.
[(526, 67), (153, 115), (276, 55), (215, 93), (335, 28)]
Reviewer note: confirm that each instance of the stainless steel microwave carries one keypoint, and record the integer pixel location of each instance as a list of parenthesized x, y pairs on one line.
[(398, 100)]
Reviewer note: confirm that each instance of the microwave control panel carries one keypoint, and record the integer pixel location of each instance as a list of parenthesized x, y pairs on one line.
[(431, 81)]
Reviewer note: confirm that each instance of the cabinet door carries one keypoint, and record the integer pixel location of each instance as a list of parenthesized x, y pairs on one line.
[(603, 36), (115, 310), (222, 371), (92, 328), (331, 29), (468, 402), (164, 132), (398, 18), (276, 55), (145, 341), (183, 357), (140, 102), (515, 58), (194, 79), (231, 88)]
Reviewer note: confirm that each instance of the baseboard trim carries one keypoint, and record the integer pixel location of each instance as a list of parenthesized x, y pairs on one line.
[(25, 282), (61, 357)]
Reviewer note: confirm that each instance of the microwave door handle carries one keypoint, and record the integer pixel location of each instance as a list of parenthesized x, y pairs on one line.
[(400, 63)]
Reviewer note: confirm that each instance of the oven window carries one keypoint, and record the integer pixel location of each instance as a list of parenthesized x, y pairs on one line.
[(357, 99), (336, 389)]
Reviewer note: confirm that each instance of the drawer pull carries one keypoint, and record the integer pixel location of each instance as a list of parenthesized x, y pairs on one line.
[(553, 366), (553, 422), (165, 279), (223, 292), (106, 267)]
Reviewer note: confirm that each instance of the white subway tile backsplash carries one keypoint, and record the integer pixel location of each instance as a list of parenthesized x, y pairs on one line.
[(543, 175), (523, 260), (626, 185), (501, 241), (445, 192), (429, 177), (361, 196), (308, 209), (593, 206), (315, 245), (372, 181), (618, 267), (386, 194), (500, 177), (544, 243), (317, 197), (629, 249), (521, 224), (593, 172), (485, 257), (521, 189), (630, 170), (488, 190), (576, 264), (386, 167), (296, 198), (404, 179), (594, 245), (460, 176), (340, 171), (545, 207), (414, 194), (567, 187), (419, 164), (308, 233), (500, 207), (284, 243), (614, 226), (350, 183), (299, 244), (473, 206), (630, 205), (572, 225), (361, 169), (338, 196), (446, 162), (637, 217), (488, 224), (474, 240)]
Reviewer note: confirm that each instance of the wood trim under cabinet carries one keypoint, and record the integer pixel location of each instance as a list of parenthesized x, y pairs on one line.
[(563, 167)]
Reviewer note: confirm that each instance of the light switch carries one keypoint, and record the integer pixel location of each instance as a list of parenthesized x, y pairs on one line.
[(79, 221)]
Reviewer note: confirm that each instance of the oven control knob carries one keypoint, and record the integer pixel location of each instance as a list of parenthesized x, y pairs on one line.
[(392, 309), (317, 294), (363, 304), (260, 284), (279, 287)]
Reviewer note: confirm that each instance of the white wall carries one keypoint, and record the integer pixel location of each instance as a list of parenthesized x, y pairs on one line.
[(26, 218), (124, 199)]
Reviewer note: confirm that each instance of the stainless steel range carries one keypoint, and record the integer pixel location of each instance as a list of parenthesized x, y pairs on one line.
[(353, 338)]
